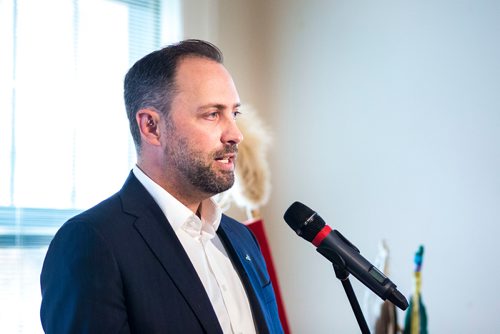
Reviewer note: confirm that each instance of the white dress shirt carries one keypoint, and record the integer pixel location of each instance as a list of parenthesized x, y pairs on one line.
[(208, 256)]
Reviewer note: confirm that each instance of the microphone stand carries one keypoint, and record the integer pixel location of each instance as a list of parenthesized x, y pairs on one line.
[(342, 274)]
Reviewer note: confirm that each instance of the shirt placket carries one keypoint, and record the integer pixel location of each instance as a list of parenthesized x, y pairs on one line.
[(214, 285), (225, 287)]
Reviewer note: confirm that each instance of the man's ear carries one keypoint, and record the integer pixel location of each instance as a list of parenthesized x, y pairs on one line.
[(148, 121)]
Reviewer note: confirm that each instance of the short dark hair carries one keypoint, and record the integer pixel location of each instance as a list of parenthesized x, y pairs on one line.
[(150, 82)]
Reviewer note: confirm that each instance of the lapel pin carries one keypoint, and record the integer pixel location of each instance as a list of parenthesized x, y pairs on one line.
[(247, 257)]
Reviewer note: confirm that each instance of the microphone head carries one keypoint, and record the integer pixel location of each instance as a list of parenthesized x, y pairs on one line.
[(304, 221)]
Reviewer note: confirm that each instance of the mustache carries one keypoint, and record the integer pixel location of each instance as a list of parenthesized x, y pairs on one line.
[(232, 148)]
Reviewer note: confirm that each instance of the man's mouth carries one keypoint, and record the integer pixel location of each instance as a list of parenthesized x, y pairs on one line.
[(227, 155), (226, 158)]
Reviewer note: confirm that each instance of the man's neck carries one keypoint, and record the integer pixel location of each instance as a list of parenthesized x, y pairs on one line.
[(186, 194)]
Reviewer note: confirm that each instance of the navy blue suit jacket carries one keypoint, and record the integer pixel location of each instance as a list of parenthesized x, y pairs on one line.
[(119, 268)]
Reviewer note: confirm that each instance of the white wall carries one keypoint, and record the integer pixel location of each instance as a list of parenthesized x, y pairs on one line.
[(386, 118)]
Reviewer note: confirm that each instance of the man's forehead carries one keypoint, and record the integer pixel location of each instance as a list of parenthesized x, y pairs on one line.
[(193, 63), (202, 74)]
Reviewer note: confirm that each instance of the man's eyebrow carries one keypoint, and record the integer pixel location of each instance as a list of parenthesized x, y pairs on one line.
[(219, 106)]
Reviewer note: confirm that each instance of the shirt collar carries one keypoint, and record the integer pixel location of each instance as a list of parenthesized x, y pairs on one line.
[(178, 215)]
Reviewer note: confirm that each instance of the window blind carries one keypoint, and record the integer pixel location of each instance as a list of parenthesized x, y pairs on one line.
[(64, 138)]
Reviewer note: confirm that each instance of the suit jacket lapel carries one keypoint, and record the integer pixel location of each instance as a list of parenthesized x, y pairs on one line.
[(154, 228), (244, 264)]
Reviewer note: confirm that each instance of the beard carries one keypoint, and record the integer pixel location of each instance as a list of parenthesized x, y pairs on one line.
[(198, 171)]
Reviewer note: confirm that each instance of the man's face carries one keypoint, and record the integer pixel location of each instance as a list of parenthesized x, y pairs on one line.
[(201, 133)]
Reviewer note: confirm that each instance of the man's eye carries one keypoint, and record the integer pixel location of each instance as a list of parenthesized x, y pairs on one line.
[(236, 114), (213, 115)]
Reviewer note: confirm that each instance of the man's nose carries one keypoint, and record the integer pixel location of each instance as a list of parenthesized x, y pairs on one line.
[(232, 134)]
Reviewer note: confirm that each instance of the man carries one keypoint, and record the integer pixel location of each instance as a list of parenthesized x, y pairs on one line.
[(158, 256)]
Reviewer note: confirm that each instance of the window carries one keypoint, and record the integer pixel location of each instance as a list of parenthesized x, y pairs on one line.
[(64, 138)]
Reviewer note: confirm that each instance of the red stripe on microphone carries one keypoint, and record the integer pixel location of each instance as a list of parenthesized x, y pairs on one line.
[(321, 235)]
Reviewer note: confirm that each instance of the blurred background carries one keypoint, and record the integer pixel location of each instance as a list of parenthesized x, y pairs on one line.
[(385, 118)]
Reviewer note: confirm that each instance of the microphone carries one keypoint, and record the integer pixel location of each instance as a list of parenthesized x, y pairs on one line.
[(336, 248)]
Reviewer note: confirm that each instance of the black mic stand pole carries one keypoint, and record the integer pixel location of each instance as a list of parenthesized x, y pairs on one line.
[(343, 276)]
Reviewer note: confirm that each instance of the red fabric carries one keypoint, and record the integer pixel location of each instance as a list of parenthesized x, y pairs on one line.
[(257, 227)]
